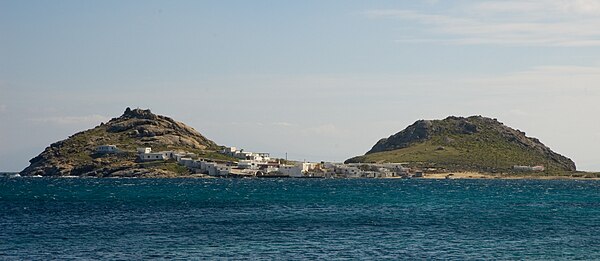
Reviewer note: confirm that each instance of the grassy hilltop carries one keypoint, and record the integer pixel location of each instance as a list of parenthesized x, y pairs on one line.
[(465, 144)]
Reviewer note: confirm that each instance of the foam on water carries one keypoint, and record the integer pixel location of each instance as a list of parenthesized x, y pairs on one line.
[(298, 219)]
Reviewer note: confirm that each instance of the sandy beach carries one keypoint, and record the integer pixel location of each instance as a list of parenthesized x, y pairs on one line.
[(479, 175)]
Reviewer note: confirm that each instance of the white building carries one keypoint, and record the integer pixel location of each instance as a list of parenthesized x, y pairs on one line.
[(188, 162), (246, 155), (170, 154), (394, 166), (215, 169), (369, 174), (247, 164), (265, 156), (210, 168), (229, 151), (202, 165), (153, 156), (250, 172), (269, 169), (529, 168), (307, 166), (223, 170), (349, 171), (107, 149), (250, 156), (144, 150), (294, 171)]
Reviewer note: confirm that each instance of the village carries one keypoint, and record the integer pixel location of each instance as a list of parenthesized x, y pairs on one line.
[(261, 165)]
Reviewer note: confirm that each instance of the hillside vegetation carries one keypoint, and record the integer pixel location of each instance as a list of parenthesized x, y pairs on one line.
[(475, 143), (76, 156)]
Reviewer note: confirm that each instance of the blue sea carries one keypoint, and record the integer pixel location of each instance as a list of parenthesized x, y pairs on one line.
[(44, 218)]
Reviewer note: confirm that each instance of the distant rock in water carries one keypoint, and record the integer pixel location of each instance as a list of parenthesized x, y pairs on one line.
[(457, 143), (78, 155)]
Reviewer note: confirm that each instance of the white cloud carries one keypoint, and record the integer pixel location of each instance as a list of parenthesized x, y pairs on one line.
[(282, 124), (588, 7), (551, 81), (3, 108), (538, 8), (526, 22), (72, 120)]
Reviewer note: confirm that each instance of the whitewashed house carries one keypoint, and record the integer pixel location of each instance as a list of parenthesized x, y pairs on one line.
[(170, 154), (329, 173), (215, 169), (229, 151), (349, 171), (223, 170), (209, 167), (250, 172), (397, 168), (538, 168), (179, 156), (188, 162), (529, 168), (203, 166), (107, 149), (247, 164), (144, 150), (294, 171), (307, 166), (270, 169), (264, 156), (153, 156), (369, 174), (246, 155), (249, 155)]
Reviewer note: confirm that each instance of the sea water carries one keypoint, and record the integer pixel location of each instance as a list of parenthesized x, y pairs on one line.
[(44, 218)]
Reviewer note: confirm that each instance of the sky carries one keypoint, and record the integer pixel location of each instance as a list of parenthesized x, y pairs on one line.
[(318, 80)]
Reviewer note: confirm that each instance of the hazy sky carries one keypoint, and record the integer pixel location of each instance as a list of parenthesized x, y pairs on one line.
[(320, 80)]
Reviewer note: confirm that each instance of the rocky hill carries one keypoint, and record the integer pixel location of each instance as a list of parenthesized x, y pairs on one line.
[(456, 143), (77, 155)]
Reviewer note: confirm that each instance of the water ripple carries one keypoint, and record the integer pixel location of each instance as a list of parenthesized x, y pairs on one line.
[(46, 218)]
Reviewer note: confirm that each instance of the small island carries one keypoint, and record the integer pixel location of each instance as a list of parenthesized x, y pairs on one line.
[(470, 147), (142, 144)]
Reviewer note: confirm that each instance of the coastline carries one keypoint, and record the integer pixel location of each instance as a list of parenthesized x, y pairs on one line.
[(445, 175), (482, 175)]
